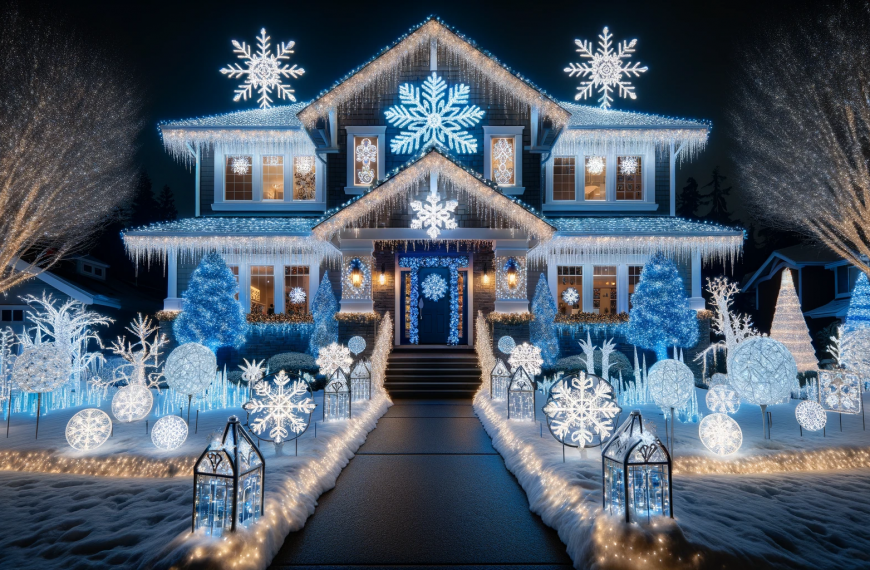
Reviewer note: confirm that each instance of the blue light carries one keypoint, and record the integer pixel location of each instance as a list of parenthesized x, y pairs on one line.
[(414, 264)]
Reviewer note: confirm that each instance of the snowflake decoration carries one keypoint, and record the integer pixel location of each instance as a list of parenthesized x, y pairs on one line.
[(264, 70), (720, 434), (169, 432), (88, 429), (433, 215), (507, 344), (432, 119), (606, 69), (278, 410), (332, 357), (840, 391), (356, 344), (723, 400), (297, 295), (570, 295), (581, 408), (811, 415), (366, 153), (502, 155), (253, 371), (132, 403), (304, 164), (628, 165), (528, 357), (240, 165), (595, 165), (434, 287)]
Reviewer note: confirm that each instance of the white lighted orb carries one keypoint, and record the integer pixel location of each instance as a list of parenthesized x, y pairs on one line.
[(507, 344), (356, 344), (42, 368), (670, 383), (169, 432), (88, 429), (132, 403), (722, 399), (720, 434), (570, 295), (190, 368), (762, 371), (810, 415)]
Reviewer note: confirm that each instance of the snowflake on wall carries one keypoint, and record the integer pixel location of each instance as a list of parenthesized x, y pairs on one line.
[(720, 434), (429, 118), (332, 357), (297, 295), (366, 153), (434, 287), (527, 356), (840, 391), (278, 409), (502, 156), (628, 165), (433, 214), (88, 429), (132, 403), (264, 70), (606, 69), (570, 295), (240, 165), (581, 408)]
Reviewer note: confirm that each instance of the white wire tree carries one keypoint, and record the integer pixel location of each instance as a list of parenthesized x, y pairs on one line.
[(790, 328), (734, 327), (143, 364)]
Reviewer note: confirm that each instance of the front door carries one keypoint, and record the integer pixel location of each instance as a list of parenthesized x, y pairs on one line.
[(434, 322)]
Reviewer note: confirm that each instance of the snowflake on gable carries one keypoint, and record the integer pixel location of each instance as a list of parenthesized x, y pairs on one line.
[(433, 214), (428, 118)]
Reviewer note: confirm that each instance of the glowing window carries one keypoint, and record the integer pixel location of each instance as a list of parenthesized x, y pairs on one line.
[(629, 178), (503, 153), (304, 187), (563, 178), (239, 178), (568, 278), (295, 276), (633, 279), (262, 289), (595, 178), (273, 178), (604, 289)]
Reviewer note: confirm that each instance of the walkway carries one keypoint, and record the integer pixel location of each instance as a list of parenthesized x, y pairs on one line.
[(427, 489)]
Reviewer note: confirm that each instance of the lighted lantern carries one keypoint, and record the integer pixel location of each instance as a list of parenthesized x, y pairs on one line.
[(382, 279), (485, 274), (499, 379), (356, 277), (636, 468), (361, 381), (511, 273), (521, 396), (228, 483), (336, 396)]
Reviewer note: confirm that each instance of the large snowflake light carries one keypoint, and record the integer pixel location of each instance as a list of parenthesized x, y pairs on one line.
[(722, 399), (527, 356), (581, 408), (595, 165), (297, 295), (840, 391), (628, 165), (429, 118), (132, 403), (433, 214), (434, 287), (606, 69), (720, 434), (332, 357), (88, 429), (240, 165), (278, 410), (570, 295), (264, 71)]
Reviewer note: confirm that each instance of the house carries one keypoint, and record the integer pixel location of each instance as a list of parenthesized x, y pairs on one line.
[(387, 197)]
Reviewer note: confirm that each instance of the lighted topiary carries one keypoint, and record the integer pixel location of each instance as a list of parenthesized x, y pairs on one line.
[(858, 316), (542, 330), (323, 310)]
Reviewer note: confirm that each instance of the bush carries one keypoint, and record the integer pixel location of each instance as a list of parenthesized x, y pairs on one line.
[(235, 376), (292, 362)]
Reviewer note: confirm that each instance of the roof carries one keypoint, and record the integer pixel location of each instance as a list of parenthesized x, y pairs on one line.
[(587, 116), (836, 308), (72, 290), (279, 116), (796, 256), (226, 226), (650, 225)]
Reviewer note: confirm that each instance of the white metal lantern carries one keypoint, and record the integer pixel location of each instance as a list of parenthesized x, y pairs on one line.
[(361, 381), (521, 397), (336, 396), (499, 379), (228, 483)]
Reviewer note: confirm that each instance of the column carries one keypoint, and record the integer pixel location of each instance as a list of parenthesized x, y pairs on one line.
[(509, 300), (172, 301), (357, 299), (696, 301)]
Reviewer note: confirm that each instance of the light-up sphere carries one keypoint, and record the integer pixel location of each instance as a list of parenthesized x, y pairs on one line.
[(670, 383), (190, 368), (88, 429), (810, 415), (169, 432), (132, 403), (356, 344), (762, 371), (42, 368), (507, 344), (570, 295), (855, 352), (722, 399), (718, 379), (720, 434)]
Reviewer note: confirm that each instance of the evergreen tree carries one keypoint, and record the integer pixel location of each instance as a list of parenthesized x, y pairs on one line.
[(717, 198), (790, 328), (166, 204), (690, 199), (145, 209), (660, 316), (210, 314), (542, 329), (323, 310), (858, 316)]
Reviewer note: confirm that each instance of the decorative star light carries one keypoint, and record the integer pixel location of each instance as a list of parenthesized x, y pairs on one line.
[(169, 432), (252, 371), (356, 344), (434, 287), (366, 153), (580, 408), (606, 69), (264, 70), (502, 155), (628, 165), (278, 410), (433, 214), (595, 165), (570, 295), (297, 295), (528, 357), (332, 357), (840, 391), (507, 344), (810, 415), (720, 434), (88, 429), (723, 400), (431, 119)]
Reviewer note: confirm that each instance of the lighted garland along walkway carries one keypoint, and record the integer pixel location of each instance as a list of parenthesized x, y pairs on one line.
[(427, 489)]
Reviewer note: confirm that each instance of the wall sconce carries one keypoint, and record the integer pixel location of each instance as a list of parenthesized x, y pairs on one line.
[(485, 274), (356, 277), (383, 277), (511, 273)]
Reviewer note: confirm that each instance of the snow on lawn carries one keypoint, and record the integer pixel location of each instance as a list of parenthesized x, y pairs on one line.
[(794, 502)]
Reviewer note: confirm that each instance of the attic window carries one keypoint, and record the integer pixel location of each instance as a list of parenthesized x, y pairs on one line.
[(87, 268)]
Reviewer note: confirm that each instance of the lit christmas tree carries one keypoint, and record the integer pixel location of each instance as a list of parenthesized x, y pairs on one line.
[(542, 329), (323, 310), (660, 315), (790, 328), (211, 315), (858, 316)]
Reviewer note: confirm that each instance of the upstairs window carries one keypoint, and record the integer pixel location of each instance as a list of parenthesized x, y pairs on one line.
[(596, 178), (304, 177), (365, 167), (629, 178), (239, 177), (503, 161), (273, 177), (564, 176)]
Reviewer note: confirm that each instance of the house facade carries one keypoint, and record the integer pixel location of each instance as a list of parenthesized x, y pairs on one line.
[(434, 182)]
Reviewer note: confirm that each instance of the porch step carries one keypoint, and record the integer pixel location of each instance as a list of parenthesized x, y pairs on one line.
[(432, 373)]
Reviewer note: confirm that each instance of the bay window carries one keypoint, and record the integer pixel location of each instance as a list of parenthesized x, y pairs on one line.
[(608, 181)]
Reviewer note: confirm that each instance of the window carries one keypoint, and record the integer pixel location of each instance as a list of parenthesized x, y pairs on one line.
[(98, 271), (569, 277), (235, 270), (846, 278), (633, 279), (239, 177), (12, 315), (273, 177), (629, 178), (604, 289), (262, 290), (595, 187), (304, 178), (87, 268), (564, 178), (295, 276), (503, 158), (365, 158)]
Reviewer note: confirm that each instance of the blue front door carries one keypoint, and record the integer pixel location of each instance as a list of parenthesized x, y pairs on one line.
[(434, 315)]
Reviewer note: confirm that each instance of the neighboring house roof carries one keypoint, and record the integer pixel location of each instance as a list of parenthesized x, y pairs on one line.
[(589, 117), (796, 256), (836, 308), (72, 290), (92, 260)]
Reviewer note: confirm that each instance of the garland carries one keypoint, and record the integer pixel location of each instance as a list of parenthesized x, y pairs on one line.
[(357, 317), (167, 316), (253, 318), (592, 319), (453, 264), (510, 318)]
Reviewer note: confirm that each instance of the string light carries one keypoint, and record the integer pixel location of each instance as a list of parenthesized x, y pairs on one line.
[(790, 328), (122, 466)]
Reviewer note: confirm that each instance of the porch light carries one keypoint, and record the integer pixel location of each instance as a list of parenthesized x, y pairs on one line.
[(485, 274), (356, 277), (512, 276), (383, 277)]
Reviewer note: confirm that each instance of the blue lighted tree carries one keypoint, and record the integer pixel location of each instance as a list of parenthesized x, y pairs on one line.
[(323, 310), (858, 316), (542, 329), (211, 315), (660, 315)]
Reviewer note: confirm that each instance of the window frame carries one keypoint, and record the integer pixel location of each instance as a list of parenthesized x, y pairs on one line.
[(505, 131), (374, 132), (257, 202), (622, 264)]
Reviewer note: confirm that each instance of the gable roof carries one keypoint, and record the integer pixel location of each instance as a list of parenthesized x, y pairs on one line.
[(71, 290), (795, 256)]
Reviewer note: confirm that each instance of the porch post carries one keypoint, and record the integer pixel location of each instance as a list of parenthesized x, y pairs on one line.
[(696, 302), (172, 301), (357, 299), (509, 300)]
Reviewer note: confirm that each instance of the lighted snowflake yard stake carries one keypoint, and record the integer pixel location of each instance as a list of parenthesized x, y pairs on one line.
[(606, 69), (595, 165), (810, 415), (581, 408), (528, 357), (840, 391), (570, 295), (252, 371), (240, 165), (507, 344), (628, 165), (434, 287), (169, 432), (132, 403), (434, 215), (356, 344), (429, 118), (264, 71), (723, 400), (332, 357), (278, 410), (720, 434), (88, 429), (297, 295)]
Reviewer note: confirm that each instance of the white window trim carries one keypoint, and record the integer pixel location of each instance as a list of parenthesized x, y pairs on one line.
[(501, 132), (374, 132), (277, 274), (589, 280), (258, 203)]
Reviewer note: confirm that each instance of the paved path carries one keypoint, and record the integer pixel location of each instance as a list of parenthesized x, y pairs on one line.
[(427, 489)]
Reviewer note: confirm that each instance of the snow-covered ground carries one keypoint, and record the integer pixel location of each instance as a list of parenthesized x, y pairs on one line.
[(789, 502)]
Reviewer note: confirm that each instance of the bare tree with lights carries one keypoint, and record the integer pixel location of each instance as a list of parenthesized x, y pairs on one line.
[(69, 118)]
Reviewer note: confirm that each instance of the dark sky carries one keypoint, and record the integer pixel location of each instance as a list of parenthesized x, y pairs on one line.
[(177, 48)]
